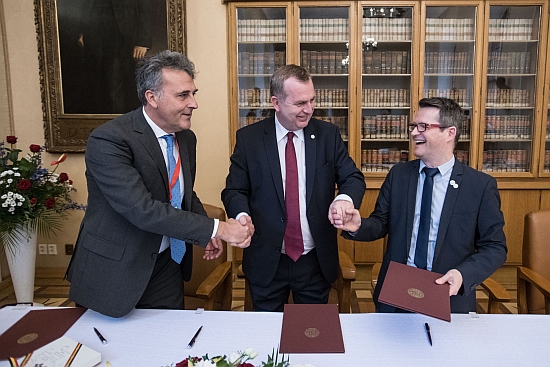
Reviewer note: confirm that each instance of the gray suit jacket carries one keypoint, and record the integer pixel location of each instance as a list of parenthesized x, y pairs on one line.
[(470, 236), (128, 213)]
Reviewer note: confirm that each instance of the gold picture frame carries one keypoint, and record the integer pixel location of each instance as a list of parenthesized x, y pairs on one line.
[(68, 118)]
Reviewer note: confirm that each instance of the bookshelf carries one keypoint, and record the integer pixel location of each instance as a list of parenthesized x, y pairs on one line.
[(372, 61)]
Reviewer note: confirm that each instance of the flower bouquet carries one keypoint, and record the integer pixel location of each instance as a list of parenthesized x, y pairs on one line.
[(31, 197)]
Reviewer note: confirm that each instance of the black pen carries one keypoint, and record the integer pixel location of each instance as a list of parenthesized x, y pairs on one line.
[(427, 327), (194, 339), (103, 340)]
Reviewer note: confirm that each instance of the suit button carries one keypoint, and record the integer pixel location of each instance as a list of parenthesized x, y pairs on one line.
[(154, 256), (283, 219), (474, 286)]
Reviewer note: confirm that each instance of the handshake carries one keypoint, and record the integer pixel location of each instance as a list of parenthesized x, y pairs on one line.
[(237, 233)]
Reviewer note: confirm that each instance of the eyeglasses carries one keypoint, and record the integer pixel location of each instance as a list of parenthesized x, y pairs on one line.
[(422, 126)]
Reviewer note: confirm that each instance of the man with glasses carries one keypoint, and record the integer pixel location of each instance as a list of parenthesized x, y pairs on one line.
[(439, 214)]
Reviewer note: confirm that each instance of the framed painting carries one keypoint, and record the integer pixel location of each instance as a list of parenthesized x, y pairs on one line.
[(88, 52)]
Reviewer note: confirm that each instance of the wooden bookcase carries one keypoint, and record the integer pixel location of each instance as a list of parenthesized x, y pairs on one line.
[(371, 61)]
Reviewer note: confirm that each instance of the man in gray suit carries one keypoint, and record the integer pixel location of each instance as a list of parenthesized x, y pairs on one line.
[(124, 257)]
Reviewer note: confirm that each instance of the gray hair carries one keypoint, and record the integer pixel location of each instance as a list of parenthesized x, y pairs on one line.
[(285, 72), (149, 71), (450, 113)]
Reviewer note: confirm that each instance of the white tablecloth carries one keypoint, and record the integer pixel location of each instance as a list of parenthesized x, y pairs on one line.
[(155, 338)]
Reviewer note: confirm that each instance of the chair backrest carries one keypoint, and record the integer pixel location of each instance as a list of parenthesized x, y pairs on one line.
[(202, 268), (536, 254)]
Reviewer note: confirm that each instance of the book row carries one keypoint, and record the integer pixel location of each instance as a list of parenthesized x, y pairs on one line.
[(548, 128), (382, 160), (449, 29), (385, 97), (386, 62), (508, 127), (331, 97), (260, 62), (326, 29), (509, 62), (387, 29), (324, 62), (261, 30), (255, 97), (448, 62), (505, 160), (510, 29), (385, 126), (507, 98), (461, 96), (547, 161), (340, 121)]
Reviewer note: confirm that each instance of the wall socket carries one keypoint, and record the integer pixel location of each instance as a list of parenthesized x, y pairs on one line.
[(69, 249), (42, 249), (52, 249)]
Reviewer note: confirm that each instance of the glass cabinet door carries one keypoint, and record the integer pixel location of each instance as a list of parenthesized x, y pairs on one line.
[(546, 132), (386, 83), (261, 49), (449, 63), (511, 88), (323, 45)]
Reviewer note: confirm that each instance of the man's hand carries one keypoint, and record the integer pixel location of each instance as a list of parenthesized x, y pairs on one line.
[(350, 221), (213, 250), (338, 210), (139, 52), (454, 278), (235, 232)]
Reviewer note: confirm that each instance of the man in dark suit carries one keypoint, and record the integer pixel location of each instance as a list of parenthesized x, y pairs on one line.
[(288, 196), (124, 256), (464, 236)]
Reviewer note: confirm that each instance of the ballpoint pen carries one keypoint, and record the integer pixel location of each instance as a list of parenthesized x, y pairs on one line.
[(194, 339), (427, 327), (103, 340)]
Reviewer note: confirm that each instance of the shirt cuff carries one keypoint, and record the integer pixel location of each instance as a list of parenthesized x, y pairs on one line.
[(216, 223), (343, 197)]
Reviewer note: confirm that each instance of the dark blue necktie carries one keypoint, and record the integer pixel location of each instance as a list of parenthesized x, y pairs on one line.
[(177, 247), (421, 252)]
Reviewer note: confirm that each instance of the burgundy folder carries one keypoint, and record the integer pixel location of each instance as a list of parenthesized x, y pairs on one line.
[(415, 290), (311, 329)]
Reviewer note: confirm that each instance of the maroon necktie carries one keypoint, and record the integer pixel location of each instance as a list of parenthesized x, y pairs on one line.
[(294, 243)]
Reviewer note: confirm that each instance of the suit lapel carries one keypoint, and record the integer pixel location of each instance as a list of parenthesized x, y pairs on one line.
[(411, 203), (448, 207), (311, 158), (148, 139), (272, 153)]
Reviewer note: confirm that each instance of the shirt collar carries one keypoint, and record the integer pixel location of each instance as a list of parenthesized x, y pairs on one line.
[(281, 132), (157, 130), (443, 169)]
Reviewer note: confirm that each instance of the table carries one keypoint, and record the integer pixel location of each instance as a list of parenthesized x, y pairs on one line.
[(155, 338)]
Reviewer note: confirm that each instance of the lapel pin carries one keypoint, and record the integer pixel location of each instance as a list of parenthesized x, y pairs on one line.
[(455, 186), (312, 136), (452, 182)]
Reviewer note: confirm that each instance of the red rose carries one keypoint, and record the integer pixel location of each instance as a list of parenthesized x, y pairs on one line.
[(35, 148), (183, 363), (245, 364), (63, 177), (70, 182), (49, 203), (33, 201), (11, 139), (24, 185)]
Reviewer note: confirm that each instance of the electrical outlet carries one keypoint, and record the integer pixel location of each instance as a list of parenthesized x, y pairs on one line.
[(69, 249), (42, 249), (52, 249)]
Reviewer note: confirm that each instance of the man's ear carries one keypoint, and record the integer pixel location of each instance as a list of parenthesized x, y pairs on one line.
[(275, 103), (451, 132), (152, 98)]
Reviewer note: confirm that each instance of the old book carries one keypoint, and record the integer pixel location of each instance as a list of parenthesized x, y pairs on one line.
[(311, 329), (36, 329), (415, 290)]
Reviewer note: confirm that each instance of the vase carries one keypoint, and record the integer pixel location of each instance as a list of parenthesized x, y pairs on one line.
[(21, 262)]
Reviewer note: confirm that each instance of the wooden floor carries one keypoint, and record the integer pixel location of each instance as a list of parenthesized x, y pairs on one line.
[(51, 290)]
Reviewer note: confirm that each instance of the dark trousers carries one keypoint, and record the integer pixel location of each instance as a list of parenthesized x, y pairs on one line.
[(165, 288), (303, 277)]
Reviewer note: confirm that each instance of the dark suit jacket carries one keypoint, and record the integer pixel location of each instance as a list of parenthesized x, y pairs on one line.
[(470, 236), (254, 185), (128, 213)]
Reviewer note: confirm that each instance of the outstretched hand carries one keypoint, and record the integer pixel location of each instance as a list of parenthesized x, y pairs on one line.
[(454, 278)]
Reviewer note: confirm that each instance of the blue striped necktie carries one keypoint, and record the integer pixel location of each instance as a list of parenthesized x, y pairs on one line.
[(177, 247)]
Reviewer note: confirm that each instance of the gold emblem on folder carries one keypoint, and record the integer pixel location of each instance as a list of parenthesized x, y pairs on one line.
[(27, 338), (312, 332), (416, 293)]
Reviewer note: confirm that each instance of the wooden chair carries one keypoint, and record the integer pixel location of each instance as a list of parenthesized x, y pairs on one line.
[(341, 289), (496, 293), (210, 286), (534, 276)]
